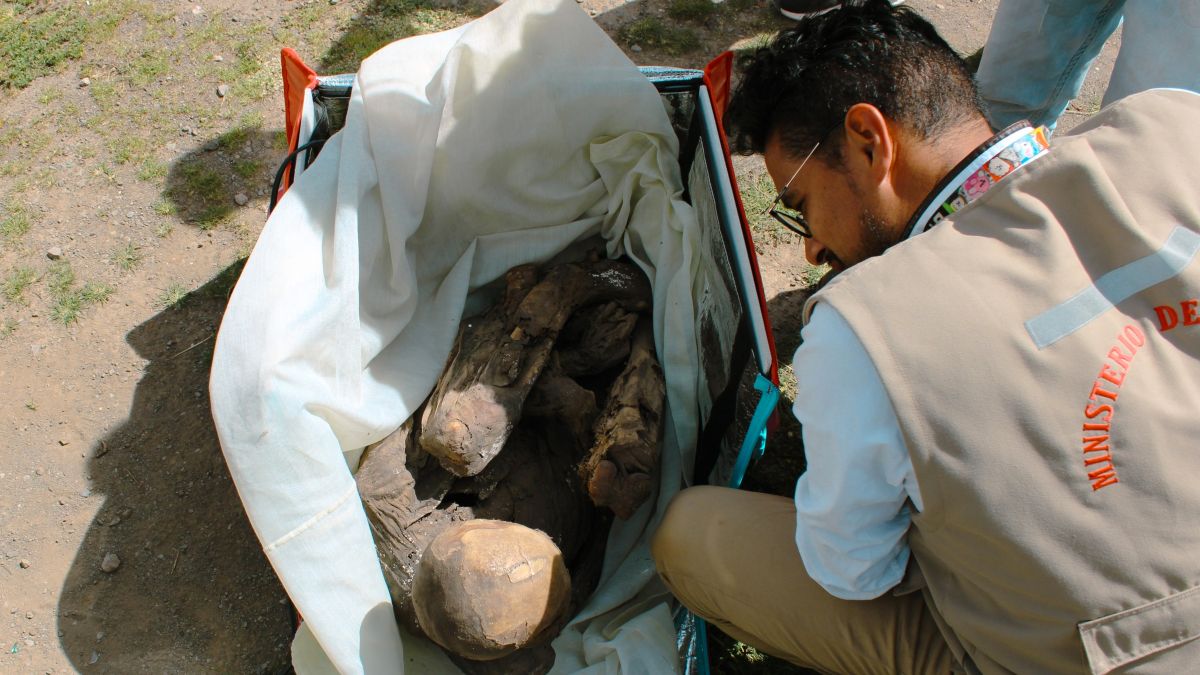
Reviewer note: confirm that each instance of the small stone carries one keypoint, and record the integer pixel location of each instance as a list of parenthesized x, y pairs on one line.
[(54, 253), (241, 199), (40, 471), (85, 492), (94, 659), (24, 564), (222, 90), (197, 10), (84, 82), (28, 615), (218, 58), (110, 563), (29, 643), (635, 48)]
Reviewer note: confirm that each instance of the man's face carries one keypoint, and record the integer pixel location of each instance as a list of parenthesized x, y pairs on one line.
[(845, 228)]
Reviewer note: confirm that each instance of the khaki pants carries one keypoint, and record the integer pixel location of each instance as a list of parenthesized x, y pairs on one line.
[(730, 557)]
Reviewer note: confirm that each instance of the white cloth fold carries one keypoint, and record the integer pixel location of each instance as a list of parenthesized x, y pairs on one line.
[(464, 153)]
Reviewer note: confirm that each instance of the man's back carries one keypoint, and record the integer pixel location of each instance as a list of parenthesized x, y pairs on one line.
[(1049, 409)]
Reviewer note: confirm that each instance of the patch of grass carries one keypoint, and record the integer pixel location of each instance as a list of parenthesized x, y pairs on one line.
[(93, 293), (164, 207), (653, 33), (149, 66), (758, 191), (152, 170), (212, 31), (126, 257), (46, 178), (202, 182), (235, 138), (730, 657), (16, 282), (164, 230), (49, 96), (66, 309), (305, 15), (247, 168), (172, 295), (7, 328), (59, 278), (212, 218), (254, 87), (249, 57), (390, 20), (691, 10), (129, 148), (104, 94), (69, 302), (15, 225), (36, 41)]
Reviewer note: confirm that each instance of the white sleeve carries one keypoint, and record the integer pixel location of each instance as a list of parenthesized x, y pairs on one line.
[(851, 512)]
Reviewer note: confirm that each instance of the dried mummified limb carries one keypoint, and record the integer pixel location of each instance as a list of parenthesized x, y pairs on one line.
[(488, 538), (620, 468), (498, 357)]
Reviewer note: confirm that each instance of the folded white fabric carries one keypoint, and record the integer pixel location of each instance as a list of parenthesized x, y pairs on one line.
[(464, 153)]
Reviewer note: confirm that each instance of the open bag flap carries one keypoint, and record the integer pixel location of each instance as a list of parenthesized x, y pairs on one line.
[(464, 153)]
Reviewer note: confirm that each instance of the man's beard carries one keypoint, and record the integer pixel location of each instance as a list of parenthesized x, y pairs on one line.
[(877, 237)]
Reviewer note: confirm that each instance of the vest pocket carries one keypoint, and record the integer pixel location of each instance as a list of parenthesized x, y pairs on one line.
[(1119, 639)]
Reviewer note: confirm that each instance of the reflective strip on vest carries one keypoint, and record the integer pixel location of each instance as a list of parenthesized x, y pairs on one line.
[(1058, 322)]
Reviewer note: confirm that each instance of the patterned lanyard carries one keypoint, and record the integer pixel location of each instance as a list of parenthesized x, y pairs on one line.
[(1006, 152)]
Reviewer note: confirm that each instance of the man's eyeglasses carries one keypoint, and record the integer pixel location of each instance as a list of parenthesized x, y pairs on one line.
[(791, 218)]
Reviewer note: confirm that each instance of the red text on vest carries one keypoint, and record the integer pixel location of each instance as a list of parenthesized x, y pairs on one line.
[(1101, 407), (1169, 317)]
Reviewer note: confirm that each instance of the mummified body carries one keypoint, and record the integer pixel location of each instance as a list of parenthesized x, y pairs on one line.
[(485, 505)]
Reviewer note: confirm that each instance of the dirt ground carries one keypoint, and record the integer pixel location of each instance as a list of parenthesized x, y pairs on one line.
[(133, 181)]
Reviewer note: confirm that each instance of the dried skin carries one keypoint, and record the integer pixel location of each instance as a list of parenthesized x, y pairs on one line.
[(620, 468), (496, 359)]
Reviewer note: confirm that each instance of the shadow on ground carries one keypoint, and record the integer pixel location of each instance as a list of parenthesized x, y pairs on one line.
[(193, 592), (203, 185)]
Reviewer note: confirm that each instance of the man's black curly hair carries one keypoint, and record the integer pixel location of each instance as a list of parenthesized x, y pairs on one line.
[(804, 81)]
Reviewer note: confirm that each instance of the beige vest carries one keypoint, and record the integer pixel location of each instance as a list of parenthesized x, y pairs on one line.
[(1041, 351)]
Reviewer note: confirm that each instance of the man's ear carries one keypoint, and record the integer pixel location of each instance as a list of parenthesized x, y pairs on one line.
[(870, 145)]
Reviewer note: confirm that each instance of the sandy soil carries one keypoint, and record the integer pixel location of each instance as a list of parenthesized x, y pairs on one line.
[(108, 449)]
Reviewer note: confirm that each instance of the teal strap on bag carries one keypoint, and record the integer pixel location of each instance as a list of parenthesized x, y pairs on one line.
[(691, 630), (755, 441)]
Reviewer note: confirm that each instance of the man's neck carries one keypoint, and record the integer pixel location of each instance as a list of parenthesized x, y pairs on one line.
[(930, 159)]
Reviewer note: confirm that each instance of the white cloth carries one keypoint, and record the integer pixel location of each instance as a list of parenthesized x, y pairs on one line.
[(464, 153), (851, 514)]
